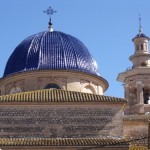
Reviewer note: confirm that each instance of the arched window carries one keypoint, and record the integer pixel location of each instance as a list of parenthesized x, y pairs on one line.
[(146, 96), (52, 86), (144, 64), (15, 90), (88, 89), (142, 47)]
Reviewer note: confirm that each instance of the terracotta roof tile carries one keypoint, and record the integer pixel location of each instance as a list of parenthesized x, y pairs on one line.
[(134, 147), (55, 95), (135, 118), (60, 142), (67, 142)]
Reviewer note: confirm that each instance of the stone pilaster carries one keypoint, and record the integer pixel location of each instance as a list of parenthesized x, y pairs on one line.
[(127, 91), (140, 99)]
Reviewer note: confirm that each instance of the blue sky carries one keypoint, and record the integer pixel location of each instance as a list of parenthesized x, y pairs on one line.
[(106, 27)]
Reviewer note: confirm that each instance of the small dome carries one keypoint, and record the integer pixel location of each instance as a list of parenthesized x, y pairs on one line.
[(140, 35), (51, 51)]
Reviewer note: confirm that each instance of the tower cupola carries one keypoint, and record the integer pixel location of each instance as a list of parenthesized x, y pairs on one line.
[(141, 57)]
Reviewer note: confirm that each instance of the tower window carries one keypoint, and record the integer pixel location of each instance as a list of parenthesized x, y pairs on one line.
[(146, 96), (52, 86), (144, 64), (142, 47)]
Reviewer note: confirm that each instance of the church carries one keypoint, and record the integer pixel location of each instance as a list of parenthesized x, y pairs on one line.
[(52, 97)]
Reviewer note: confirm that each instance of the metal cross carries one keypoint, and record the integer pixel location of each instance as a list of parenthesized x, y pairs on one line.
[(50, 11), (140, 20), (140, 26)]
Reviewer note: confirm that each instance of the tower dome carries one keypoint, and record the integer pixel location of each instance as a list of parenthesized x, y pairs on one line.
[(51, 51)]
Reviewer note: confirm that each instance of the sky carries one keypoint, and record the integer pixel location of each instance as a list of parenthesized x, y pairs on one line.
[(106, 27)]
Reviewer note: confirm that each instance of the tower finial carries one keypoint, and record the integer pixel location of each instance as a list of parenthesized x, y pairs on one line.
[(50, 11), (140, 26)]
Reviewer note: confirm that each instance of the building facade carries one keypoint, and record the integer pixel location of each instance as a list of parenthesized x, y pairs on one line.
[(52, 97)]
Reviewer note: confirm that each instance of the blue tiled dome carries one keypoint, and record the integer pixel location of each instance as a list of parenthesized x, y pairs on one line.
[(51, 51)]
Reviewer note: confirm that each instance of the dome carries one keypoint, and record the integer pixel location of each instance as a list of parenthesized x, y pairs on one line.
[(140, 35), (51, 51)]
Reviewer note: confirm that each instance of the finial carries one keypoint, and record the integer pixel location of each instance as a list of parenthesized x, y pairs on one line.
[(50, 11), (140, 26)]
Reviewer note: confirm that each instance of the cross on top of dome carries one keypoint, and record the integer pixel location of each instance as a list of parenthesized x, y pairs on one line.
[(50, 11)]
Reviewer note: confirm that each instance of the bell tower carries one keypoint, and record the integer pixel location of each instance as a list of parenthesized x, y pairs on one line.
[(136, 79)]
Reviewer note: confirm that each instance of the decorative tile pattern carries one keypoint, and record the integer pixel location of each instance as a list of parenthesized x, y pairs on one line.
[(60, 121), (51, 51)]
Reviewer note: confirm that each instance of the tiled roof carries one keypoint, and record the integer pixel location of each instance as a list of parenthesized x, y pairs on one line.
[(61, 142), (134, 147), (67, 142), (55, 95), (139, 118)]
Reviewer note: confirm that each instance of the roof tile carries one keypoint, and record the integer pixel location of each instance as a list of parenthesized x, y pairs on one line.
[(55, 95), (135, 118), (60, 142)]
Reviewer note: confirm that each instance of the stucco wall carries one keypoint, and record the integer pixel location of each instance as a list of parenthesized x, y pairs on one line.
[(36, 80)]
